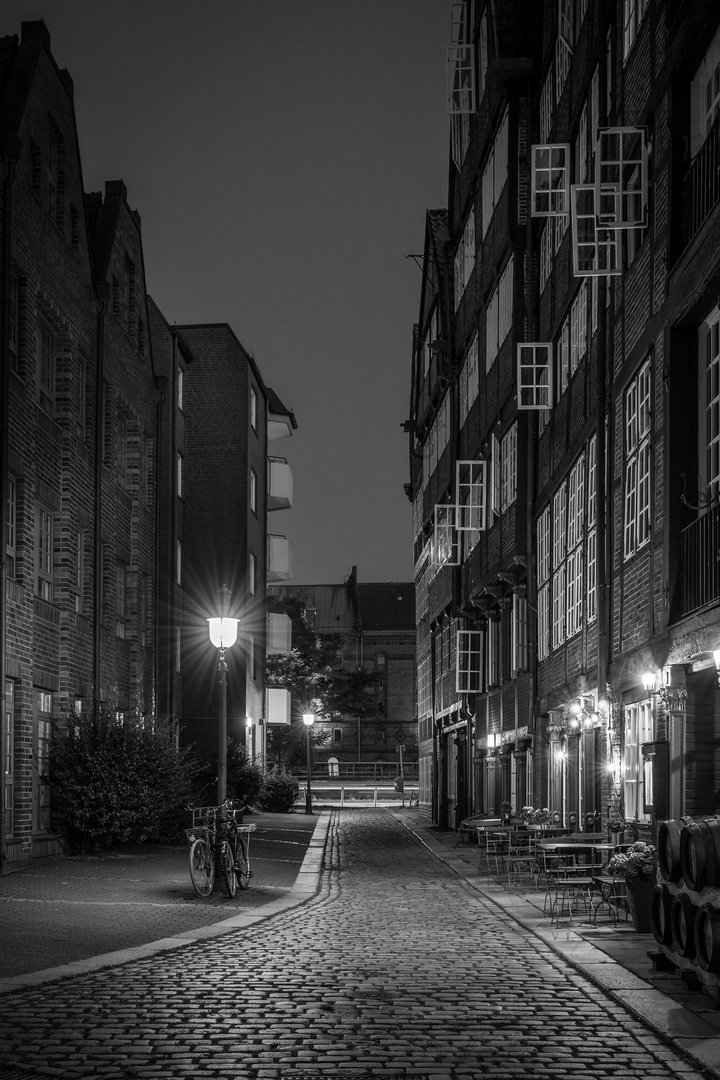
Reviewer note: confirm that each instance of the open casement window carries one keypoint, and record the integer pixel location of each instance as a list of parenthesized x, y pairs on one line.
[(462, 97), (550, 180), (709, 426), (494, 479), (534, 375), (636, 524), (519, 642), (469, 662), (566, 23), (621, 177), (596, 249), (633, 14), (542, 554), (447, 548), (471, 495)]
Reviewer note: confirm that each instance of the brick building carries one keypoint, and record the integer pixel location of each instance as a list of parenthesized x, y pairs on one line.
[(78, 422), (563, 423), (376, 623), (218, 417)]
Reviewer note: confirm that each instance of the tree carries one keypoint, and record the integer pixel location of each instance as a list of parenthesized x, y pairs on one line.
[(313, 672)]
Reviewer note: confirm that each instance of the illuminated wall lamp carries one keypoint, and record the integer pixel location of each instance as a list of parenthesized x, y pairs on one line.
[(650, 681)]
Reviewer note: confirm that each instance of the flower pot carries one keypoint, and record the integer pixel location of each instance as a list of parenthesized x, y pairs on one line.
[(639, 893)]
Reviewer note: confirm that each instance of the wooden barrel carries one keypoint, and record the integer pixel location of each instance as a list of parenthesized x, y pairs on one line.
[(707, 937), (700, 854), (669, 848), (660, 915), (682, 924)]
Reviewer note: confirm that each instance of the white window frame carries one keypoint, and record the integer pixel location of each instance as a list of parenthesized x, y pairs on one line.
[(495, 173), (621, 177), (547, 105), (253, 408), (508, 467), (563, 57), (546, 255), (180, 387), (638, 728), (11, 525), (709, 410), (44, 554), (519, 636), (471, 495), (446, 545), (469, 662), (252, 574), (578, 327), (499, 315), (633, 15), (469, 384), (596, 249), (562, 359), (464, 261), (637, 445), (253, 490), (550, 180), (534, 375), (542, 548)]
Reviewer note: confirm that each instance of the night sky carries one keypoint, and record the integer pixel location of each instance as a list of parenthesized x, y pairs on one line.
[(281, 155)]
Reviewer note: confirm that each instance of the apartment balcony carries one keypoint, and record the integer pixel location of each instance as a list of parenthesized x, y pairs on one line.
[(278, 558), (700, 563), (279, 632), (701, 186), (280, 484), (277, 705)]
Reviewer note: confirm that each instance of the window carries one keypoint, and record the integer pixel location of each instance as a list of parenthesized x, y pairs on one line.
[(13, 320), (149, 470), (178, 649), (46, 367), (471, 494), (560, 225), (591, 555), (461, 60), (495, 475), (559, 551), (508, 467), (639, 729), (180, 476), (534, 375), (709, 353), (468, 653), (566, 23), (596, 249), (621, 177), (178, 562), (633, 13), (252, 673), (74, 227), (180, 387), (79, 570), (562, 359), (578, 328), (469, 385), (337, 736), (44, 553), (705, 96), (253, 408), (253, 490), (9, 756), (437, 438), (493, 652), (464, 262), (55, 179), (581, 148), (499, 316), (542, 548), (35, 168), (425, 686), (11, 539), (636, 518), (43, 722), (121, 445), (120, 599), (252, 575), (562, 67), (446, 547), (546, 107), (495, 173), (550, 180), (519, 643), (575, 536), (142, 608)]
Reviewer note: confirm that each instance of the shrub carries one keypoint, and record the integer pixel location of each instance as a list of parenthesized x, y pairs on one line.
[(279, 792), (119, 782)]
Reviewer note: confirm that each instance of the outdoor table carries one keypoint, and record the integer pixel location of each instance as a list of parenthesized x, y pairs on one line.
[(566, 847), (612, 893)]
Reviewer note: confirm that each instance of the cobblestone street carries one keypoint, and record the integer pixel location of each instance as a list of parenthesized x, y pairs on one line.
[(396, 968)]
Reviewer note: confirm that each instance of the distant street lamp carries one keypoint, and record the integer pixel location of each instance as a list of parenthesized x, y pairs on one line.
[(308, 721), (223, 634)]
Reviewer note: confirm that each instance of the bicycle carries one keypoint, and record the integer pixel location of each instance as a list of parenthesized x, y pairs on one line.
[(219, 844)]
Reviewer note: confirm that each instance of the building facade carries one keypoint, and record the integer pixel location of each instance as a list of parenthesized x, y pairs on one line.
[(562, 422), (375, 622)]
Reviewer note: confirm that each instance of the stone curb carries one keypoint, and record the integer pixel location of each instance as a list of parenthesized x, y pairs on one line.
[(305, 887), (699, 1042)]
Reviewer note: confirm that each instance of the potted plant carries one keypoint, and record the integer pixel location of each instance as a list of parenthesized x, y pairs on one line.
[(506, 812), (638, 867), (616, 828)]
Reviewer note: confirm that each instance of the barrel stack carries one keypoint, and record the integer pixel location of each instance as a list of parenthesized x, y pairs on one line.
[(686, 902)]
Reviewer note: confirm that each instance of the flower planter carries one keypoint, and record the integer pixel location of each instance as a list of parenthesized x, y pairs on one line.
[(639, 892)]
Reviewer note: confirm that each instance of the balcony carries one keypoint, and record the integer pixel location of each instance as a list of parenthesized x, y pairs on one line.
[(279, 633), (280, 484), (278, 558), (701, 186), (277, 705), (700, 563)]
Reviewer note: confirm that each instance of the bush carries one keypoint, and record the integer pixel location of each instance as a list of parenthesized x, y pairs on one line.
[(244, 779), (119, 782), (279, 791)]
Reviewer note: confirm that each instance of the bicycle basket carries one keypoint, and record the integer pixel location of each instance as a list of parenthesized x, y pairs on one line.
[(198, 832)]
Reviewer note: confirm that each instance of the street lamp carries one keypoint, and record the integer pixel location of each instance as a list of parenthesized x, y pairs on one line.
[(223, 634), (308, 721)]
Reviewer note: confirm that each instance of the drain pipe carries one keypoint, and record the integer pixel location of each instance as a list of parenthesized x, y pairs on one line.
[(102, 290)]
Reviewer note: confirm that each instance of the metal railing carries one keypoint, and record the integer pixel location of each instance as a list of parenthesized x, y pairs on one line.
[(701, 186), (362, 770), (700, 562)]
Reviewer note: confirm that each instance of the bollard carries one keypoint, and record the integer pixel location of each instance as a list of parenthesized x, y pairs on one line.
[(375, 797), (342, 796)]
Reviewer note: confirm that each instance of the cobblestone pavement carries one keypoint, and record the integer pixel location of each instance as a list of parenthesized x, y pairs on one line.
[(396, 968)]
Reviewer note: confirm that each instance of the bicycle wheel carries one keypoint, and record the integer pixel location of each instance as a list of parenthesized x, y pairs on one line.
[(202, 867), (242, 865), (228, 866)]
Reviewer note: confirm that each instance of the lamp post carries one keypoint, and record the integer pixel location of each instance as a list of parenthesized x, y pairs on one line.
[(223, 634), (308, 721)]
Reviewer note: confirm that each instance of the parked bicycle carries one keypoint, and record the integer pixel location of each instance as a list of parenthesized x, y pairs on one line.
[(219, 847)]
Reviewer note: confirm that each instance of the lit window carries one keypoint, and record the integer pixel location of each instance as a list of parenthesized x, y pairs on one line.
[(639, 729)]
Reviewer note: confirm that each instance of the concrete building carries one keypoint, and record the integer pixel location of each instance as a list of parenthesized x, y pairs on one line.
[(563, 424), (375, 621)]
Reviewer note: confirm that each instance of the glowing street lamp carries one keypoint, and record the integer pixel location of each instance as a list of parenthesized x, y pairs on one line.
[(308, 721), (223, 635)]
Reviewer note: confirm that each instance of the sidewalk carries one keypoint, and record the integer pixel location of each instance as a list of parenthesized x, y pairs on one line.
[(614, 958), (68, 916)]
